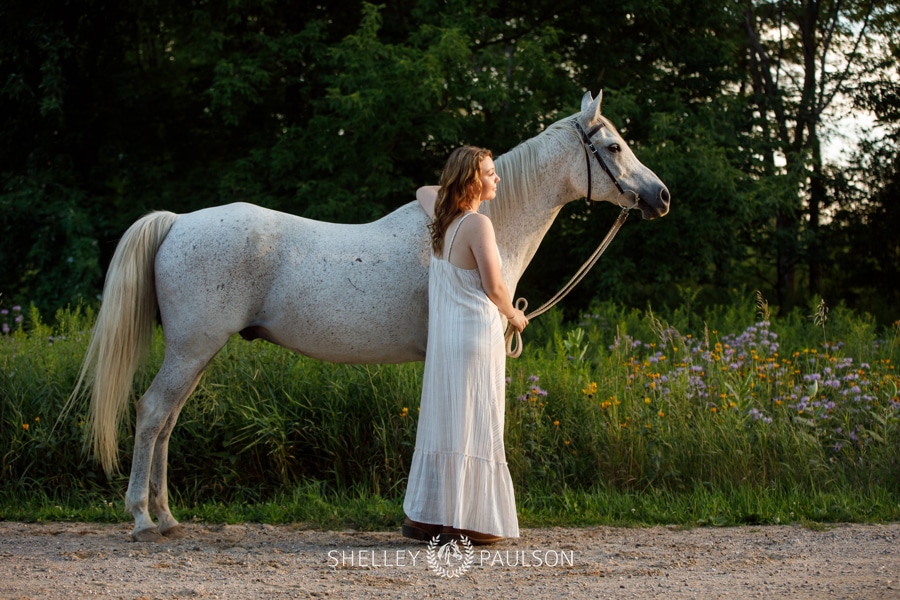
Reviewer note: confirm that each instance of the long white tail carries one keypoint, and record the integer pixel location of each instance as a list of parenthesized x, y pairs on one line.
[(122, 333)]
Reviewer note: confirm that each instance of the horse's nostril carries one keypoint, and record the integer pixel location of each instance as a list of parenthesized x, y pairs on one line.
[(664, 196)]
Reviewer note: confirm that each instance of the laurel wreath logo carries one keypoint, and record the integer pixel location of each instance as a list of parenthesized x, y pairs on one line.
[(440, 558)]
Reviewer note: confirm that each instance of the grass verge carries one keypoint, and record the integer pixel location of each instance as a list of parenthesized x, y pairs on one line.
[(311, 505)]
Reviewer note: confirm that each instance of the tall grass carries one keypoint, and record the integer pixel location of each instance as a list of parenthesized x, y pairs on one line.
[(628, 401), (621, 404)]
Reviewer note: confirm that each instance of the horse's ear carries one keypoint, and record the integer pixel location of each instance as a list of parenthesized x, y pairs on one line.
[(591, 106), (586, 100)]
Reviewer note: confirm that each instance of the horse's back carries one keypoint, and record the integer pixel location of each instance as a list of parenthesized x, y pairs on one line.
[(345, 293)]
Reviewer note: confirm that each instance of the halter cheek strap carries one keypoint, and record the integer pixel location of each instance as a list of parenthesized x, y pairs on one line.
[(588, 144)]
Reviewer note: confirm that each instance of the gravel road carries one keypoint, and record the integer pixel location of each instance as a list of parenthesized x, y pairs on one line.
[(77, 560)]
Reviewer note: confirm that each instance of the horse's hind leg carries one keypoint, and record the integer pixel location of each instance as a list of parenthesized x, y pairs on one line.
[(159, 490), (157, 412)]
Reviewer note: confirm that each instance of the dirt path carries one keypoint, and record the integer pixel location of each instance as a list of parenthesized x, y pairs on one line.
[(77, 560)]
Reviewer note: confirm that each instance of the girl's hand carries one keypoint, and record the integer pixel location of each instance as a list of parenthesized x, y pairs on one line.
[(518, 320)]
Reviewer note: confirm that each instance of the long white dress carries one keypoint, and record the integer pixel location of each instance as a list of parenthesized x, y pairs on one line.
[(459, 476)]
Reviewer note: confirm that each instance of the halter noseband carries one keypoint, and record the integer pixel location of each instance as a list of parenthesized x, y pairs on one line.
[(586, 139)]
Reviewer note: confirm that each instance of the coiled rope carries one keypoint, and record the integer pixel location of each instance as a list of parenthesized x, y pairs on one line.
[(512, 337)]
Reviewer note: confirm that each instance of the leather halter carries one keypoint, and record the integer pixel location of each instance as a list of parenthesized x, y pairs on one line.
[(512, 337), (588, 144)]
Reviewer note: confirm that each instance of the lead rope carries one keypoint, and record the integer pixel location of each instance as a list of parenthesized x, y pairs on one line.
[(513, 338)]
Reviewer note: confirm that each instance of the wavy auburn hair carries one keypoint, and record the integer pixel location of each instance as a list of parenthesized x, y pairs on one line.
[(460, 184)]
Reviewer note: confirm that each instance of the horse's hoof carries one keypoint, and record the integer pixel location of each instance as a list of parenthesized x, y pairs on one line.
[(175, 532), (151, 534)]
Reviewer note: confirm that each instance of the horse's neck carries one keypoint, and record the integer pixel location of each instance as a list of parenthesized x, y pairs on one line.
[(523, 216)]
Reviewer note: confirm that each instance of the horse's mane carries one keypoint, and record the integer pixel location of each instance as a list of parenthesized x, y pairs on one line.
[(519, 172)]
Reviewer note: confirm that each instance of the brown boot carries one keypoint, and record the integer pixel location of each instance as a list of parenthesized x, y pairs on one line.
[(423, 532), (478, 539)]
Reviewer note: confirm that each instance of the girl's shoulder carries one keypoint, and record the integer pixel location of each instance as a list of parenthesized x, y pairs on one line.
[(479, 221), (476, 225)]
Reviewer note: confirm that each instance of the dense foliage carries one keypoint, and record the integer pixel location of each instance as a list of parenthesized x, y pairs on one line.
[(339, 111), (623, 401)]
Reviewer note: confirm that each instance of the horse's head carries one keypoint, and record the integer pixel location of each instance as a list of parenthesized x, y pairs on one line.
[(448, 551), (614, 173)]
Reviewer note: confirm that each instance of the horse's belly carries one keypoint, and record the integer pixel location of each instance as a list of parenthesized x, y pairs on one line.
[(343, 316)]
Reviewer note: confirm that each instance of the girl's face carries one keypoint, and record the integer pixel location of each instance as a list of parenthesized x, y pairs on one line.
[(489, 179)]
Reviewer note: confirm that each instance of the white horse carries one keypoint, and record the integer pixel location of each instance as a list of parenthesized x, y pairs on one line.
[(341, 293)]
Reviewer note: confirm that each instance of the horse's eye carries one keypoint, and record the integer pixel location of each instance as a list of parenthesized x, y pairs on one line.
[(614, 148)]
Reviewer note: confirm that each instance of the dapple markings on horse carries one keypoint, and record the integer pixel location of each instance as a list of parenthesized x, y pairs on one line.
[(340, 293)]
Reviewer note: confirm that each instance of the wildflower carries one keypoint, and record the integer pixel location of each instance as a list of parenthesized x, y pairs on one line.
[(25, 426), (661, 414), (590, 390), (556, 423), (404, 413), (646, 400), (533, 378), (567, 442)]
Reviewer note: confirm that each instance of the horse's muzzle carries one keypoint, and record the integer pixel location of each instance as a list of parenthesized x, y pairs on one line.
[(657, 207)]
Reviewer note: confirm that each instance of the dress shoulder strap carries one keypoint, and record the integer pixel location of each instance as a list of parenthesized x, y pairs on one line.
[(455, 231)]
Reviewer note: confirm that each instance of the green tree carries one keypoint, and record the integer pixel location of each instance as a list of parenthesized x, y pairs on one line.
[(802, 58), (111, 109)]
